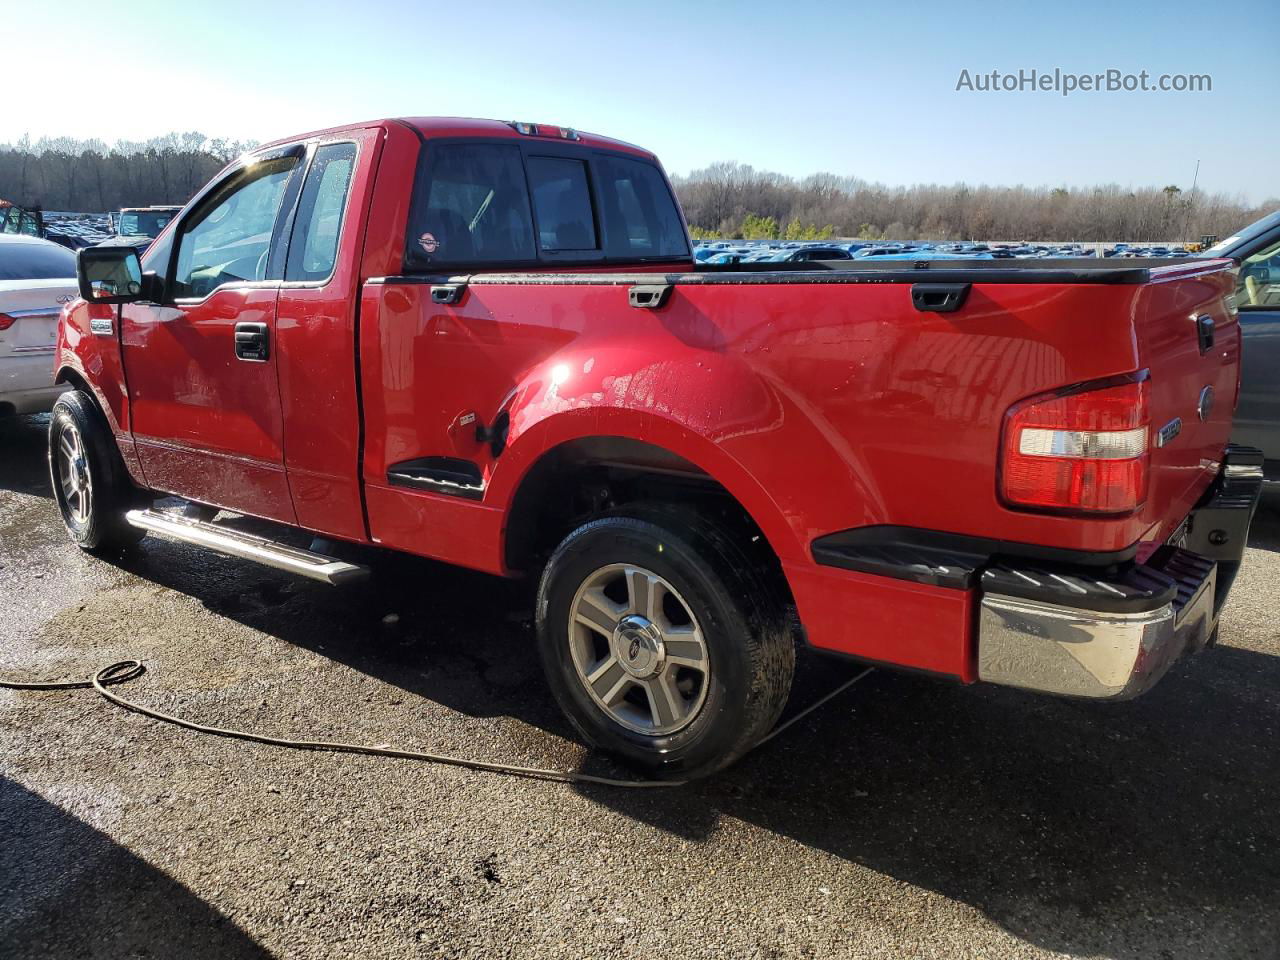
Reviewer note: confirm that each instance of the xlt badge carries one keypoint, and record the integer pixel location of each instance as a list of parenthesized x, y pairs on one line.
[(1168, 432)]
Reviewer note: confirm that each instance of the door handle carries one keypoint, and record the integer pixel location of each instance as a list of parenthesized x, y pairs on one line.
[(1204, 333), (939, 297), (252, 342)]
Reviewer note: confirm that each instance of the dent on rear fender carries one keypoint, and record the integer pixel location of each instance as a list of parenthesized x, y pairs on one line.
[(746, 432)]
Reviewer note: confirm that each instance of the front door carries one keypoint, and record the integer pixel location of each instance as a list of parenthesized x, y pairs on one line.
[(201, 367)]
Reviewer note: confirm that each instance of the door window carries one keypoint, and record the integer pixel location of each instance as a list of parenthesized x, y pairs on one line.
[(1258, 281), (228, 239), (562, 204), (313, 248)]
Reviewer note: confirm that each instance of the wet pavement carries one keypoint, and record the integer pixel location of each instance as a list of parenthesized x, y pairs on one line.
[(908, 817)]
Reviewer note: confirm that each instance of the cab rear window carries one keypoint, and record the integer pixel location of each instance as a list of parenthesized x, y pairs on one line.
[(502, 205), (642, 219), (562, 200)]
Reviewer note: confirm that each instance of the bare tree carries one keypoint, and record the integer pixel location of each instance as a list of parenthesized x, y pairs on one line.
[(64, 173), (719, 197)]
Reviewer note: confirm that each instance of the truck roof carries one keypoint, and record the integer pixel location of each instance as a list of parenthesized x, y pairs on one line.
[(473, 127)]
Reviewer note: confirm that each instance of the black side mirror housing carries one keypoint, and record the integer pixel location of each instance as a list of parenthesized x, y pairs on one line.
[(109, 274)]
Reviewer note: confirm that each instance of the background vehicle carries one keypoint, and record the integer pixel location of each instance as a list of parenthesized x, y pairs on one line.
[(16, 219), (138, 226), (1257, 249), (488, 344), (36, 278)]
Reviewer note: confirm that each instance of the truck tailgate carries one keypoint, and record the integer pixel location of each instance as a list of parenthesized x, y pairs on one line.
[(1189, 339)]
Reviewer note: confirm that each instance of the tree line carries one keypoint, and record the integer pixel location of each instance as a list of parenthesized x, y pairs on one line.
[(65, 173), (731, 199), (726, 199)]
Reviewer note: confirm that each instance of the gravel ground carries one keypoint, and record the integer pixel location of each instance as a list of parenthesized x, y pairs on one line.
[(908, 817)]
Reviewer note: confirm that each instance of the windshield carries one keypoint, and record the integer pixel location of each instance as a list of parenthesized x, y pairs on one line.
[(142, 223), (1255, 229)]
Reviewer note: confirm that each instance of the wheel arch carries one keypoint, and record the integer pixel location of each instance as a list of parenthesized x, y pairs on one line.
[(74, 377), (560, 472)]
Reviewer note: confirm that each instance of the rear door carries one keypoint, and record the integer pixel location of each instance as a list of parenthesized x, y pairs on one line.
[(201, 367), (316, 334)]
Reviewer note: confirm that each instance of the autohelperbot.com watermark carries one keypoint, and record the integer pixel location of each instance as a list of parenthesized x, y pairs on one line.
[(1065, 82)]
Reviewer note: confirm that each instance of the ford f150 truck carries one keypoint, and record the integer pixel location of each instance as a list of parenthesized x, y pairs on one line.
[(489, 344)]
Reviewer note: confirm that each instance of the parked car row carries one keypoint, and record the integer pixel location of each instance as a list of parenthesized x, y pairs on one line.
[(728, 252), (129, 226)]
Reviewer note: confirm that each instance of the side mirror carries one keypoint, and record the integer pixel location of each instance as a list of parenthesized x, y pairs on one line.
[(109, 274)]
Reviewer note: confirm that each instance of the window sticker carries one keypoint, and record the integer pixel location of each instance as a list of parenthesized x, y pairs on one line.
[(429, 243)]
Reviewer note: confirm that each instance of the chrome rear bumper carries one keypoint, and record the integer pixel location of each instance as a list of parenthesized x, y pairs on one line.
[(1110, 655), (1112, 635)]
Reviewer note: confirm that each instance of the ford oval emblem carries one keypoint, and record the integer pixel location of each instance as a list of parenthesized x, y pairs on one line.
[(1205, 406)]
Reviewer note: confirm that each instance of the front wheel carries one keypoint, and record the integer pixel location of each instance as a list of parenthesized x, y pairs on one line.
[(669, 650), (90, 482)]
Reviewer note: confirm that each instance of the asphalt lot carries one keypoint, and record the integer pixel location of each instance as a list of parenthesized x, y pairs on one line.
[(908, 817)]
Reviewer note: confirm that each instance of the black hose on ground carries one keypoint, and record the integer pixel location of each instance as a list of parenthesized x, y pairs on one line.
[(127, 670)]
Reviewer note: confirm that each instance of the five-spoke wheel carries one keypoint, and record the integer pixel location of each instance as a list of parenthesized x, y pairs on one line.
[(73, 474), (638, 649)]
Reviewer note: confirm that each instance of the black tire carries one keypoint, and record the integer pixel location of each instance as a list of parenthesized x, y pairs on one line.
[(733, 601), (97, 524)]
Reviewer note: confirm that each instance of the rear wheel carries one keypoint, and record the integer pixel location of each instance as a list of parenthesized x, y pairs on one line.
[(668, 649), (90, 482)]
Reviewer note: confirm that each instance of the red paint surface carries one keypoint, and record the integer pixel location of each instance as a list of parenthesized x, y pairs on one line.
[(820, 407)]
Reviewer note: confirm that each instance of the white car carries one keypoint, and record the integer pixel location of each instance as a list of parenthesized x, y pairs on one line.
[(36, 278)]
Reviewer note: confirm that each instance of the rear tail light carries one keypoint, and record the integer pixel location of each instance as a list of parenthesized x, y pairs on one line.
[(1086, 451), (6, 321)]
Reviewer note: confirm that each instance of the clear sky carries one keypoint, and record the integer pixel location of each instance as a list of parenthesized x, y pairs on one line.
[(852, 88)]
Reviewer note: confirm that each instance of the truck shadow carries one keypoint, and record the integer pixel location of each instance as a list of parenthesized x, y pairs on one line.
[(68, 890), (1069, 824)]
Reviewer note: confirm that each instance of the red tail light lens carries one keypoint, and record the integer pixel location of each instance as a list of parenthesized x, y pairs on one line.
[(1086, 451), (6, 321)]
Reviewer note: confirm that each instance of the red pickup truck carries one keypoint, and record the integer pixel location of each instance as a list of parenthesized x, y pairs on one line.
[(488, 343)]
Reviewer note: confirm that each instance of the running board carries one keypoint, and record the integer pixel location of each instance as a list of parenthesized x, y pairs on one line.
[(233, 543)]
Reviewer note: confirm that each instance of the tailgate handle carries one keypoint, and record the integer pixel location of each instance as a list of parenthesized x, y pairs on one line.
[(1204, 330), (251, 341), (447, 293), (939, 297), (649, 296)]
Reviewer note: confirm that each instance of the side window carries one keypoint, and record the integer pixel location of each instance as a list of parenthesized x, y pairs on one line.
[(470, 205), (1258, 283), (562, 204), (641, 216), (228, 240), (313, 248)]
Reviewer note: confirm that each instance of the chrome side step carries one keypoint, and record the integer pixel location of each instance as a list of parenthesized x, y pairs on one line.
[(234, 543)]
